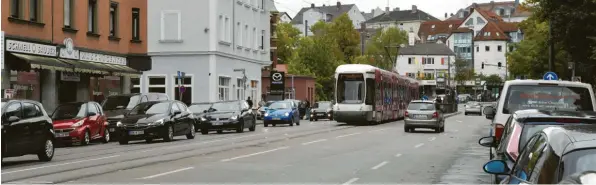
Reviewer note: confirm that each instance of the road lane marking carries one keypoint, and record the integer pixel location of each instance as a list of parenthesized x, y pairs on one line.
[(253, 154), (378, 130), (350, 181), (397, 155), (316, 141), (348, 135), (419, 145), (379, 165), (167, 173), (432, 139), (459, 121), (47, 166)]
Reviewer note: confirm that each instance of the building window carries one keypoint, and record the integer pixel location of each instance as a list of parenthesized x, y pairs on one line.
[(92, 16), (68, 13), (262, 4), (35, 10), (262, 45), (187, 93), (254, 90), (171, 26), (239, 34), (477, 49), (136, 85), (113, 19), (224, 88), (136, 24), (487, 48), (239, 89), (221, 29), (428, 60), (15, 8), (246, 38), (157, 84), (499, 48), (228, 30), (255, 38), (411, 60)]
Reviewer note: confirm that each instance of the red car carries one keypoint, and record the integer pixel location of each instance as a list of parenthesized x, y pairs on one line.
[(80, 122)]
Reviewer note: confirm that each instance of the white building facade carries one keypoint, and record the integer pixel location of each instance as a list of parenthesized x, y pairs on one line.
[(327, 13), (220, 45), (426, 62)]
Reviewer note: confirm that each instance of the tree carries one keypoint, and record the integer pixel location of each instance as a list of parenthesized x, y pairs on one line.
[(287, 41), (462, 71), (493, 79), (375, 48), (347, 38)]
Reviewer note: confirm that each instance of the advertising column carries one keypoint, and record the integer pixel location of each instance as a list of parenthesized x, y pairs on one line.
[(277, 87)]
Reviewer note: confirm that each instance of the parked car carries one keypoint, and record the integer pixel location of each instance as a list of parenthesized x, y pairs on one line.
[(522, 124), (157, 119), (199, 110), (116, 106), (473, 108), (321, 110), (261, 111), (228, 115), (282, 112), (80, 122), (26, 129), (550, 156), (424, 114)]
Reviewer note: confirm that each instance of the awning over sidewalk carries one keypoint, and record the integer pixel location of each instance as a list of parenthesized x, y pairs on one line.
[(40, 62), (100, 68)]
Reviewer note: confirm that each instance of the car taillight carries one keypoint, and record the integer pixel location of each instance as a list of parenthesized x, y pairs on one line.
[(435, 115), (499, 128), (407, 114)]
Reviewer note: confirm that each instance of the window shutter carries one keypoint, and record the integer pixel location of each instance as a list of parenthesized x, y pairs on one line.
[(442, 61)]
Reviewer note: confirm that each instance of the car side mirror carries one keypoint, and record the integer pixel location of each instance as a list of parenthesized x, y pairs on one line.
[(488, 141), (489, 112), (13, 119), (497, 167), (91, 114)]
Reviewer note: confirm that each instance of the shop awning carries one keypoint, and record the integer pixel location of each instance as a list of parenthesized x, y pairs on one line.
[(39, 62), (100, 68)]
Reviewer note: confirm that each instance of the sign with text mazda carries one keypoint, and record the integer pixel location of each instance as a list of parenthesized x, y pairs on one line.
[(278, 83)]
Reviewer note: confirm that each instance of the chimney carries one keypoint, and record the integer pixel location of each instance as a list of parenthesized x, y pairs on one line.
[(387, 10), (372, 11), (414, 8), (338, 4), (451, 14), (312, 5), (324, 5), (445, 15), (396, 9)]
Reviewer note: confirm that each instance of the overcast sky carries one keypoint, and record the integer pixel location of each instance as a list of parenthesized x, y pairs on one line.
[(437, 8)]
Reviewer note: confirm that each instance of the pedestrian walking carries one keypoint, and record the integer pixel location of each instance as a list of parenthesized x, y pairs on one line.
[(307, 110), (249, 102)]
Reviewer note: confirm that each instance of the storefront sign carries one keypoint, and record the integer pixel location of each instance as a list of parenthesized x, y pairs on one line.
[(9, 93), (101, 58), (68, 51), (69, 76), (277, 85), (30, 48)]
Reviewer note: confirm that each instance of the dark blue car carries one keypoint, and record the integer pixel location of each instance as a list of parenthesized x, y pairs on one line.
[(281, 112)]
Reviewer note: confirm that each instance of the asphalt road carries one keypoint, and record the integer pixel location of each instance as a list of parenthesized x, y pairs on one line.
[(314, 152)]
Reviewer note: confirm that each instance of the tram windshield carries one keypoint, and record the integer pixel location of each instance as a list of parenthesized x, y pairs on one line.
[(350, 88)]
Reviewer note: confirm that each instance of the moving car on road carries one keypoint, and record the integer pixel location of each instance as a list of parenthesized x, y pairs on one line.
[(282, 112), (473, 108), (116, 106), (321, 110), (80, 122), (424, 114), (26, 129), (550, 156), (261, 111), (199, 110), (228, 115), (157, 119)]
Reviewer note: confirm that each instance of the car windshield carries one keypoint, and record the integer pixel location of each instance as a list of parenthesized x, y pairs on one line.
[(226, 106), (199, 108), (579, 161), (269, 103), (281, 105), (547, 97), (151, 108), (324, 105), (421, 106), (69, 111), (120, 102)]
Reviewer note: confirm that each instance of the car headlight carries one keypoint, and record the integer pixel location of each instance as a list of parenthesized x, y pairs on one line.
[(78, 123), (266, 114), (234, 118), (287, 114), (158, 122), (119, 124), (203, 119)]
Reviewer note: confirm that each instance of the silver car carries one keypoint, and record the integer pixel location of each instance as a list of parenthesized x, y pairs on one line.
[(473, 108), (424, 114)]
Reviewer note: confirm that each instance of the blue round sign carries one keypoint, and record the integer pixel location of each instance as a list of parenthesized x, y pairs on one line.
[(550, 76)]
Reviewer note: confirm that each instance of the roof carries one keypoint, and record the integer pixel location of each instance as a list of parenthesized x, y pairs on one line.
[(368, 16), (438, 27), (491, 32), (426, 49), (403, 15), (564, 139), (492, 6), (332, 9), (286, 13)]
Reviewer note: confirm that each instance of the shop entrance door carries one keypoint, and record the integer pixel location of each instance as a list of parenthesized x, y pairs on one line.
[(67, 91)]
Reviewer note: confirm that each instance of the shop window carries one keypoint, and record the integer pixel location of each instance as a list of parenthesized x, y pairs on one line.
[(136, 24), (113, 19), (24, 85), (105, 86), (239, 89), (224, 88), (157, 84), (187, 94), (136, 85), (35, 10)]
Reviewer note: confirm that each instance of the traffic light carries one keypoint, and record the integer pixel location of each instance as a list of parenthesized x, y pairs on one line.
[(482, 65), (499, 64)]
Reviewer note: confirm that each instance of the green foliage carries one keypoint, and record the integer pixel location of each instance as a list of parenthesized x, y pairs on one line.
[(287, 41), (493, 79), (462, 71), (375, 48), (347, 38)]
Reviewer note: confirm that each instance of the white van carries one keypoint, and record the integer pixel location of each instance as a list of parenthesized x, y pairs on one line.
[(539, 94)]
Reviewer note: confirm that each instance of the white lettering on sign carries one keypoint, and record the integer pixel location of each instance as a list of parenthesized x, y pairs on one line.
[(30, 48), (70, 76), (72, 55), (101, 58)]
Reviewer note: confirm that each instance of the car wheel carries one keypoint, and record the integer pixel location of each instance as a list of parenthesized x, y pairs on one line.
[(191, 133), (148, 140), (106, 136), (240, 128), (292, 122), (204, 131), (47, 152), (86, 138), (123, 141), (168, 133), (265, 124), (254, 126), (406, 129), (220, 131)]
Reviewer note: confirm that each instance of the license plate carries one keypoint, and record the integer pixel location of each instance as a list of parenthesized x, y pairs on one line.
[(321, 114), (276, 118), (64, 134), (139, 132), (112, 129), (420, 116), (217, 123)]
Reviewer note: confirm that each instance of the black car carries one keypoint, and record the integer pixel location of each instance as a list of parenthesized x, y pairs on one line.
[(157, 119), (116, 106), (26, 129), (550, 156), (199, 110), (228, 115), (321, 110)]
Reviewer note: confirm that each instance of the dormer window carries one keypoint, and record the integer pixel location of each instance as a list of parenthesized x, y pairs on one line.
[(328, 17), (479, 20), (501, 11), (470, 22)]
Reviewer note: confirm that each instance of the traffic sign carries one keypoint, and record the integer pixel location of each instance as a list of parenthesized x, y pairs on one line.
[(550, 76)]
